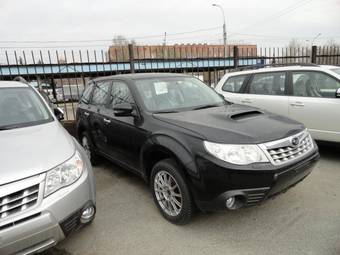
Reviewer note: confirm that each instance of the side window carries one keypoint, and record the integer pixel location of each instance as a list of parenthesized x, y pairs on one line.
[(268, 84), (101, 93), (234, 84), (120, 93), (87, 94), (314, 84)]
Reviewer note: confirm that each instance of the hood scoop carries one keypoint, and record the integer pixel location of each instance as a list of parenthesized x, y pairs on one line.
[(245, 115)]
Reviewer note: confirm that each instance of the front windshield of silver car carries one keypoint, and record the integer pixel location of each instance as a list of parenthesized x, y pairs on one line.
[(21, 107)]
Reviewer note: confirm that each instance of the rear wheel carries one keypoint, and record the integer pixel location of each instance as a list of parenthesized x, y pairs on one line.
[(87, 144), (171, 193)]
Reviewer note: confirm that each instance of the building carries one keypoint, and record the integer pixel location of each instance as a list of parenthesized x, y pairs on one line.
[(178, 51)]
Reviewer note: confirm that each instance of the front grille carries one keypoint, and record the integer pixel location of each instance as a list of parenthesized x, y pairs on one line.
[(18, 201), (288, 149)]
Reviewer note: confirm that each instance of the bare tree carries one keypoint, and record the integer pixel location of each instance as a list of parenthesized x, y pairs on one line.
[(119, 49)]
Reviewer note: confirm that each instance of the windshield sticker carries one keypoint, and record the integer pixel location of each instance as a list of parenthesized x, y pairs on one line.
[(161, 88)]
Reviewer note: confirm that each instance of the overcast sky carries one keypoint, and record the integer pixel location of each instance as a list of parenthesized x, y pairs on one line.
[(267, 22)]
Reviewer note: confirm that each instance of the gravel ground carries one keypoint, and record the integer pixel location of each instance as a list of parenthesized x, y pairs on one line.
[(304, 220)]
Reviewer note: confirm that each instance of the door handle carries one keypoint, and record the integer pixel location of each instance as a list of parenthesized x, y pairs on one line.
[(246, 101), (107, 121), (86, 114), (299, 104)]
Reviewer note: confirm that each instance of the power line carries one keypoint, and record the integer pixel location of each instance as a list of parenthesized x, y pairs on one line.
[(280, 13), (110, 40)]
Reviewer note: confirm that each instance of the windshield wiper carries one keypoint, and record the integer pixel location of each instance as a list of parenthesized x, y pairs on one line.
[(7, 127), (205, 106), (169, 111)]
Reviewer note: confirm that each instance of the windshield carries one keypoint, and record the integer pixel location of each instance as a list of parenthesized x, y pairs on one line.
[(20, 107), (337, 70), (176, 93)]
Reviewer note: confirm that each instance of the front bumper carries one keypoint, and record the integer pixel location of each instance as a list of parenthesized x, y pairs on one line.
[(250, 187), (43, 225)]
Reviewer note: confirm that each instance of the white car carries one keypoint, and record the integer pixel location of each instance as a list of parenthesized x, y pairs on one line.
[(307, 93)]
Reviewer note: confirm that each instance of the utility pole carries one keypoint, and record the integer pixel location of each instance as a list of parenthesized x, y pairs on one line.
[(164, 42), (224, 28)]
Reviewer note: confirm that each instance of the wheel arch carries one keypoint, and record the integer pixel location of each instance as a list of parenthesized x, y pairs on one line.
[(161, 147)]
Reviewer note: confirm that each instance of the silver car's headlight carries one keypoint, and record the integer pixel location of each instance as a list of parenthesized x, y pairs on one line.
[(237, 154), (64, 174)]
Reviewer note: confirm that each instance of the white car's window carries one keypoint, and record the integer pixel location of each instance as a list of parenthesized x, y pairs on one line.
[(268, 84), (234, 83), (21, 107), (314, 84), (101, 93)]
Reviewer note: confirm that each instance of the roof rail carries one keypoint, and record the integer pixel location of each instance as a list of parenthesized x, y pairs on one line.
[(258, 66)]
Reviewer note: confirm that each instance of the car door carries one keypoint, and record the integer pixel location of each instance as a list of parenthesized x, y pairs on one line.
[(100, 97), (267, 91), (125, 133), (313, 102), (231, 87)]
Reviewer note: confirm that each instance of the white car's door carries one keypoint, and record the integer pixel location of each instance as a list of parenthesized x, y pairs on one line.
[(230, 87), (314, 103), (267, 91)]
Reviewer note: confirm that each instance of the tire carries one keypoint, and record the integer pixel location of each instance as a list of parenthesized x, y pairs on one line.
[(87, 144), (171, 193)]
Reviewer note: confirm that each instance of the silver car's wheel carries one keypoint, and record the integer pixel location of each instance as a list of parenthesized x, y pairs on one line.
[(168, 193), (86, 146)]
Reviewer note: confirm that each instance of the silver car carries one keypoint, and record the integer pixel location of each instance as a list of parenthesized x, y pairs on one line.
[(47, 187)]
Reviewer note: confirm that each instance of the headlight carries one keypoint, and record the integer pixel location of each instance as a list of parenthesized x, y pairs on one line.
[(64, 174), (236, 154)]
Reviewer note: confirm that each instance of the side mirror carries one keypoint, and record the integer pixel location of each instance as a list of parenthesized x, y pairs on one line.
[(337, 93), (59, 113), (123, 109)]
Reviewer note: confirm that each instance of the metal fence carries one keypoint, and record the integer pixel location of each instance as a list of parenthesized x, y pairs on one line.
[(63, 74)]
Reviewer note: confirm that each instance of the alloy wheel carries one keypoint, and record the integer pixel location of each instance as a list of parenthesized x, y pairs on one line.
[(168, 193), (86, 146)]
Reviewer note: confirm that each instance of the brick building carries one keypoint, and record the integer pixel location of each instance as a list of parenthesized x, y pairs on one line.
[(178, 51)]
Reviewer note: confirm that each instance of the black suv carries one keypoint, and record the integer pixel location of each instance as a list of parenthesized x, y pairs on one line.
[(191, 146)]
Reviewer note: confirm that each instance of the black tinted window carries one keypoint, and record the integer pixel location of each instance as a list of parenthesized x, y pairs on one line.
[(120, 93), (234, 84), (268, 84), (87, 93), (101, 93)]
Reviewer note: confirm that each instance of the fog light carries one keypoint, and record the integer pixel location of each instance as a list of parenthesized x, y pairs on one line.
[(87, 214), (230, 202)]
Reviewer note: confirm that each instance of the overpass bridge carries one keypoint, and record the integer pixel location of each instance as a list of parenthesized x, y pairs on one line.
[(65, 70)]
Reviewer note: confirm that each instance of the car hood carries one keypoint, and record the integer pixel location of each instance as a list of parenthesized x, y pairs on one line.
[(234, 124), (28, 151)]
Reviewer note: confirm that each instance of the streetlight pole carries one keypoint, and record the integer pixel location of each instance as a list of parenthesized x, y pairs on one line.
[(224, 27), (317, 36)]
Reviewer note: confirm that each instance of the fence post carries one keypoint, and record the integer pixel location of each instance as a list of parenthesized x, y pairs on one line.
[(235, 56), (131, 58), (314, 49), (53, 89)]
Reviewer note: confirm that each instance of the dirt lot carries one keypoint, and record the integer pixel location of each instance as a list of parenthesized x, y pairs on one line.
[(305, 220)]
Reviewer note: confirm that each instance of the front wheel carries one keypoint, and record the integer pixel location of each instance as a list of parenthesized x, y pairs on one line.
[(87, 144), (171, 193)]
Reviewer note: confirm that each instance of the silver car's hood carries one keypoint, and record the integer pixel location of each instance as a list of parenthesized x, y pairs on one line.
[(32, 150)]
